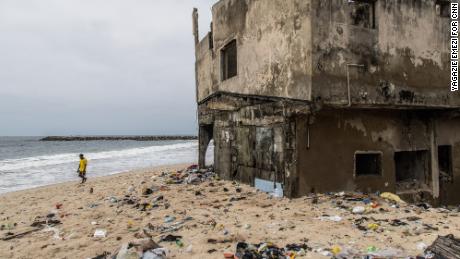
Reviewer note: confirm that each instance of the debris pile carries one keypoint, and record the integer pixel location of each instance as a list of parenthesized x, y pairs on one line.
[(140, 248), (146, 247), (444, 247), (268, 250), (192, 175), (192, 214)]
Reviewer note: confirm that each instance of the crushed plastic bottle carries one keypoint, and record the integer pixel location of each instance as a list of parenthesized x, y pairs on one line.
[(359, 210), (179, 243), (159, 253)]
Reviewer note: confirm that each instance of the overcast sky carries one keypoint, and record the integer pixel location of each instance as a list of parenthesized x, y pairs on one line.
[(98, 66)]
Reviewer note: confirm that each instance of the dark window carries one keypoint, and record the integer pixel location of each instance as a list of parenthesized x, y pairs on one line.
[(211, 42), (443, 8), (363, 13), (229, 60), (411, 166), (445, 163), (211, 38), (368, 164)]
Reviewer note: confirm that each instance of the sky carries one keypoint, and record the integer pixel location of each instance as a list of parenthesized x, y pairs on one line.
[(98, 67)]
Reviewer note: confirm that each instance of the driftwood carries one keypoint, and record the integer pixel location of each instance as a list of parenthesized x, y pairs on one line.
[(446, 247), (49, 222), (38, 225), (21, 234)]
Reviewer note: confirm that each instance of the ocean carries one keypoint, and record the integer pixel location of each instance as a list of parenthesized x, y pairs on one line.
[(26, 162)]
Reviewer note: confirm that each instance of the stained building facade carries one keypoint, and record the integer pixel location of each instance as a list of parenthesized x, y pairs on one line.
[(331, 95)]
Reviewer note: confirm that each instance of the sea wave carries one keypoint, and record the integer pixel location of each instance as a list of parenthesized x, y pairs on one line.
[(9, 165)]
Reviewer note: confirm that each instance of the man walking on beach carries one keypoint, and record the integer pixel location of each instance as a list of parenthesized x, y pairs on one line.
[(82, 168)]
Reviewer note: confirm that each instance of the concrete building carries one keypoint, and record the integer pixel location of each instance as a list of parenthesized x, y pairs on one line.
[(331, 95)]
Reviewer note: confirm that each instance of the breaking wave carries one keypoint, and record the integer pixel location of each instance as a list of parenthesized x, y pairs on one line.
[(9, 165)]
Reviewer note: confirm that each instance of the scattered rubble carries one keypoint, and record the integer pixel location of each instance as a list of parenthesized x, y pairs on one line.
[(100, 233), (268, 250), (366, 214), (444, 247), (39, 223), (140, 248)]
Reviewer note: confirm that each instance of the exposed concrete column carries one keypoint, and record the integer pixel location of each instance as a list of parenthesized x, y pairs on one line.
[(291, 180), (434, 159), (204, 137), (197, 41), (195, 26)]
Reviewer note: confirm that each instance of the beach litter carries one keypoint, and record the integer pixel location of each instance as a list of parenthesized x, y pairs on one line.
[(103, 255), (8, 226), (379, 216), (158, 253), (113, 199), (49, 220), (54, 230), (131, 189), (373, 226), (100, 233), (10, 235), (192, 175), (421, 246), (444, 247), (331, 218), (39, 223), (189, 249), (359, 210), (169, 219), (147, 191), (391, 197), (170, 238), (92, 205), (267, 250), (140, 248)]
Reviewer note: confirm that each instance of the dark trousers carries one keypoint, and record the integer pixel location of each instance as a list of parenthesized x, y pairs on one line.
[(82, 175)]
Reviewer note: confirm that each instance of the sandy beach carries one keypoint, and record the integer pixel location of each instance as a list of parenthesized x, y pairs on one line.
[(215, 215)]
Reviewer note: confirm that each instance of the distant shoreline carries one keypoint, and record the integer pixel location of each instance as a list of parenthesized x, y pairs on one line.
[(116, 138)]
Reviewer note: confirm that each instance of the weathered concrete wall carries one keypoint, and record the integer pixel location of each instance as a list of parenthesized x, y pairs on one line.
[(203, 66), (273, 45), (315, 152), (315, 51), (405, 57), (256, 141), (252, 144), (448, 133), (224, 137), (336, 135), (302, 50), (259, 153)]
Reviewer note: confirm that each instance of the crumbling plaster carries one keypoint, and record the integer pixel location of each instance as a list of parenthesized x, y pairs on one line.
[(312, 90), (405, 58)]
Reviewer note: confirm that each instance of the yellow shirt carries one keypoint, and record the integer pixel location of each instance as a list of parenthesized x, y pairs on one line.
[(83, 163)]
